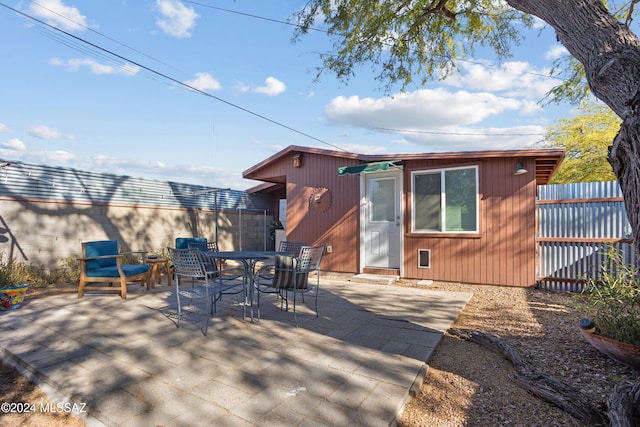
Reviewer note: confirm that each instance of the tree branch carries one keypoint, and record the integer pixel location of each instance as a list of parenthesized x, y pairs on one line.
[(537, 382), (627, 22), (440, 7)]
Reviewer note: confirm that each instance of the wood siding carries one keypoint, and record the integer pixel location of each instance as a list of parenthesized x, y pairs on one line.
[(502, 252), (338, 226)]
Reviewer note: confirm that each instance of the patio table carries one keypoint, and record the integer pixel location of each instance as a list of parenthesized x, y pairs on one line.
[(249, 259)]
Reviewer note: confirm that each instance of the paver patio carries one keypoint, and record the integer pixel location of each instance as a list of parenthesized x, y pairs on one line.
[(354, 365)]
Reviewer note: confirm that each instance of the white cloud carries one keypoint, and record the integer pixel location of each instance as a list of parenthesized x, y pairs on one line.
[(363, 149), (515, 79), (56, 13), (45, 132), (14, 144), (272, 87), (203, 82), (556, 52), (241, 87), (95, 67), (176, 19), (4, 128), (15, 150), (422, 109), (459, 138)]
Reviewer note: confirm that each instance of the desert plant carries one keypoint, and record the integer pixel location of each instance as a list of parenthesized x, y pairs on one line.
[(13, 272), (612, 300)]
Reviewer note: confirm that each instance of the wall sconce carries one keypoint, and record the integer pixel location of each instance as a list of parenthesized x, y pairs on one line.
[(297, 161), (520, 170)]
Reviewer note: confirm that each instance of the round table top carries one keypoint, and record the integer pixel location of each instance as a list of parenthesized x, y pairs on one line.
[(242, 254), (157, 259)]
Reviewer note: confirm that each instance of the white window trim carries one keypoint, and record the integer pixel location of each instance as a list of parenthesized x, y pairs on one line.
[(443, 200)]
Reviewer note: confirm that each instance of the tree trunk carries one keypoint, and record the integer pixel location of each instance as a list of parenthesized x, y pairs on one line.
[(610, 54), (624, 404)]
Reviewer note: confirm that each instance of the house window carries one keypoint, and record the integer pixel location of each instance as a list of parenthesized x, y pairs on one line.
[(445, 200)]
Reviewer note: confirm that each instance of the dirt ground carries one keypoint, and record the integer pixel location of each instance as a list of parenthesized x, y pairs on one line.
[(466, 384), (469, 385)]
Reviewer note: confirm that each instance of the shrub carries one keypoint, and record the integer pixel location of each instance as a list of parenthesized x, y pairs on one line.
[(14, 272), (613, 299)]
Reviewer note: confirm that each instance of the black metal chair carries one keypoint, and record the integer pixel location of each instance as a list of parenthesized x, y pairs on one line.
[(291, 275)]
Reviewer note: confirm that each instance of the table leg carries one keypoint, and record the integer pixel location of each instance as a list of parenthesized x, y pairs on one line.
[(152, 280), (169, 275)]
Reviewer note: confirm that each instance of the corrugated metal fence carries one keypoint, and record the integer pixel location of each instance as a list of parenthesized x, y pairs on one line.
[(576, 222)]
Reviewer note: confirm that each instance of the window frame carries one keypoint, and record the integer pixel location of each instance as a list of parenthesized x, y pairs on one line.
[(443, 201)]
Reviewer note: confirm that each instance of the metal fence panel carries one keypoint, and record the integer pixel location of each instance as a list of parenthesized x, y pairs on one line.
[(576, 224)]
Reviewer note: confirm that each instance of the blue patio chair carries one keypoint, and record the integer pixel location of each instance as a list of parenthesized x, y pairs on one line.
[(226, 274), (102, 262), (291, 275), (183, 242)]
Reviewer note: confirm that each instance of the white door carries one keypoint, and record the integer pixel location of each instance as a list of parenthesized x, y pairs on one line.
[(382, 220)]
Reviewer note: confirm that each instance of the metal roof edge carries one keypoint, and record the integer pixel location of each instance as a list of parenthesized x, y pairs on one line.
[(526, 152)]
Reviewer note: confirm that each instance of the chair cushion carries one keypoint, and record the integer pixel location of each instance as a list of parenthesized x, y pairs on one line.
[(285, 271), (128, 270), (183, 242), (100, 248)]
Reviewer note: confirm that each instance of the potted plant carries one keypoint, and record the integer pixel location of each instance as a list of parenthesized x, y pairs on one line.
[(610, 304), (13, 284)]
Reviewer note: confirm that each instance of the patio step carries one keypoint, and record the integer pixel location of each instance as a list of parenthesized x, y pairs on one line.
[(380, 279)]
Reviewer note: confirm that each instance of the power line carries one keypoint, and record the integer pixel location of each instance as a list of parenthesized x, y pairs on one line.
[(250, 15), (102, 34), (108, 56), (278, 21), (171, 79)]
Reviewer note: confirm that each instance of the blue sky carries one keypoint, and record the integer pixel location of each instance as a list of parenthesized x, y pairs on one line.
[(67, 103)]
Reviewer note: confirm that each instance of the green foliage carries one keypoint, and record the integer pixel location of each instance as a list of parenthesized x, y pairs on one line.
[(574, 88), (14, 272), (423, 40), (410, 40), (613, 300), (587, 138)]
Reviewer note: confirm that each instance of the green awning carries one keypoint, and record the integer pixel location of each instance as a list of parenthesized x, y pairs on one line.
[(364, 167)]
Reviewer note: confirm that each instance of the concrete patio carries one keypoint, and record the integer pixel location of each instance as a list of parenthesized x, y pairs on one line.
[(357, 364)]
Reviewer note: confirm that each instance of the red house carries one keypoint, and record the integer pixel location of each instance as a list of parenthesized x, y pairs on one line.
[(462, 217)]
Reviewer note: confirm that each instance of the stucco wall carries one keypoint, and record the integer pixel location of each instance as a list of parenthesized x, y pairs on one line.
[(43, 233)]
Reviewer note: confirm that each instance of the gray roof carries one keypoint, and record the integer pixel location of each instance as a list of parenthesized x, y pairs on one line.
[(30, 181)]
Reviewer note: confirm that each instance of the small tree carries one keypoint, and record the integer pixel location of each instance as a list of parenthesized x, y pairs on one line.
[(586, 137)]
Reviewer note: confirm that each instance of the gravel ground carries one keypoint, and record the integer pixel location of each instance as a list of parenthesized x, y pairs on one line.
[(466, 384), (469, 385)]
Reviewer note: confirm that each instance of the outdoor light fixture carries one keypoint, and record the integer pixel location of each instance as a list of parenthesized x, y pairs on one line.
[(297, 161), (520, 170)]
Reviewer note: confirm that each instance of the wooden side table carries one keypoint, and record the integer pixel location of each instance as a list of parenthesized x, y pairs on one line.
[(156, 265)]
